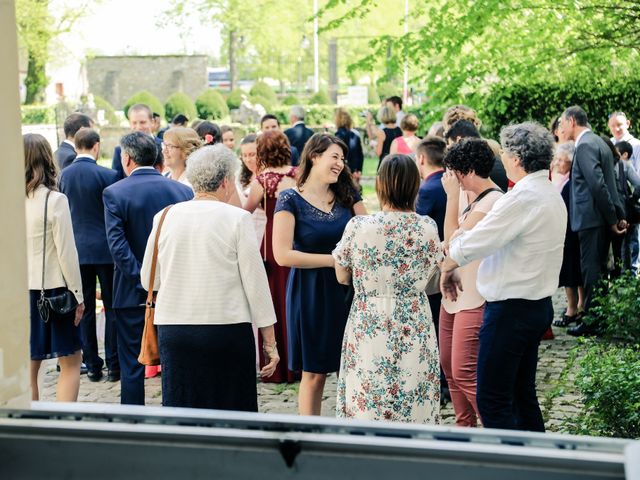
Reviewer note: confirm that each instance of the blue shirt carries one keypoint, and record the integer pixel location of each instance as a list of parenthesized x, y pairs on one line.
[(432, 200)]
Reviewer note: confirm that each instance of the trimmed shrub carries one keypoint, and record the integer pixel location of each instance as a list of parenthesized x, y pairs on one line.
[(261, 89), (291, 100), (148, 99), (109, 112), (235, 98), (38, 114), (265, 102), (321, 97), (211, 106), (179, 103)]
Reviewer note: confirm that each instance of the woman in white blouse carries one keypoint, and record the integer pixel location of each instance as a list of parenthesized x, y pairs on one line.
[(59, 336), (211, 286)]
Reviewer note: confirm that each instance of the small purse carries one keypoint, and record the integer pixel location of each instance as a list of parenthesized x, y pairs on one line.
[(149, 351), (58, 304)]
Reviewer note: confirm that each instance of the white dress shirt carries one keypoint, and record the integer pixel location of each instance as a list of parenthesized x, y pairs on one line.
[(62, 267), (521, 241), (209, 268)]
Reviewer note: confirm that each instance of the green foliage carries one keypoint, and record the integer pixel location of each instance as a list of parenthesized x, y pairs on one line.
[(179, 102), (321, 97), (38, 114), (235, 98), (259, 99), (211, 105), (608, 378), (261, 89), (617, 310), (321, 114), (148, 99), (372, 94), (541, 101), (388, 89), (291, 100), (109, 112)]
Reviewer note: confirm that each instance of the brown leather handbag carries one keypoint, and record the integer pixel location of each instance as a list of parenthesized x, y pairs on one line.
[(149, 352)]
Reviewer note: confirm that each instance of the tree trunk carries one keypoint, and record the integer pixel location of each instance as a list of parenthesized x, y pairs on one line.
[(233, 40)]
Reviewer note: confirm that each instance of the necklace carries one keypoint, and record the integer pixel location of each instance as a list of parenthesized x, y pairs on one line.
[(206, 196)]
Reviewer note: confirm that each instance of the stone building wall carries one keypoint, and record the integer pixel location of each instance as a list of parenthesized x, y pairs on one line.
[(117, 78)]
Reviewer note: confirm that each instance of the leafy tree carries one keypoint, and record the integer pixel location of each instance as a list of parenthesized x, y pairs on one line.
[(179, 102), (211, 105), (148, 99), (261, 89)]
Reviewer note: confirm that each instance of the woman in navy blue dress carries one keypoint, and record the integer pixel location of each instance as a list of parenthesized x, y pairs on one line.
[(308, 223)]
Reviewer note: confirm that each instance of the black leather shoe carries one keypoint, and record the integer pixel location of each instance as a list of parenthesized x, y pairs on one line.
[(581, 330), (113, 376), (95, 376), (83, 369)]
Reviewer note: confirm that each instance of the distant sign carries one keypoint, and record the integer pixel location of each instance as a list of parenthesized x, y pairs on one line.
[(355, 96)]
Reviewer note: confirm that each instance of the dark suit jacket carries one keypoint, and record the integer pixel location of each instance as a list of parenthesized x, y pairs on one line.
[(116, 163), (432, 200), (83, 182), (594, 196), (298, 135), (65, 155), (129, 207), (355, 157), (295, 156)]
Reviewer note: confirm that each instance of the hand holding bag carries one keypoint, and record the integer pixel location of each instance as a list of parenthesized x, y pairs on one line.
[(149, 352), (59, 304)]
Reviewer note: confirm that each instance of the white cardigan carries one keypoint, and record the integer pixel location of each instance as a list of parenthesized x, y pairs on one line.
[(61, 260), (209, 268)]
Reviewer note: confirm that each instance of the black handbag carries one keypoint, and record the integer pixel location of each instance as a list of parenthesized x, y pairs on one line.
[(59, 304)]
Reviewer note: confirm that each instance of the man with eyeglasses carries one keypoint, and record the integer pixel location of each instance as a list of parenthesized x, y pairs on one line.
[(140, 120)]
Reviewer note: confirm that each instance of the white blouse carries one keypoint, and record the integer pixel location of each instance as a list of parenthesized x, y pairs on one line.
[(209, 269), (62, 267)]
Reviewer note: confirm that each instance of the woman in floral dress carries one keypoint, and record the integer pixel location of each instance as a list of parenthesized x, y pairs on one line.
[(389, 367)]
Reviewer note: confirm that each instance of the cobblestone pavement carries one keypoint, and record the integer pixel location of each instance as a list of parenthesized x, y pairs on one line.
[(283, 398)]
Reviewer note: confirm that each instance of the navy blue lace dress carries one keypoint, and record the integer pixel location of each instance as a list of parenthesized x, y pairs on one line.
[(317, 305)]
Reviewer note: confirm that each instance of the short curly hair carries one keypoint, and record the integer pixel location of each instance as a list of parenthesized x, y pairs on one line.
[(531, 143), (470, 155), (273, 150), (209, 166)]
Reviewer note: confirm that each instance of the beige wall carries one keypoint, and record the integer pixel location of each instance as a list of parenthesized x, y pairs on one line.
[(14, 318)]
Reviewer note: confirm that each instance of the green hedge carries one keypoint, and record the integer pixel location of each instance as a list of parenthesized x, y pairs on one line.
[(211, 105), (109, 112), (291, 100), (235, 98), (321, 97), (541, 102), (179, 102), (148, 99), (261, 89), (38, 114)]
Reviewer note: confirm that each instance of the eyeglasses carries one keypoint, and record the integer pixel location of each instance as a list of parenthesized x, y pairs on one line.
[(168, 145)]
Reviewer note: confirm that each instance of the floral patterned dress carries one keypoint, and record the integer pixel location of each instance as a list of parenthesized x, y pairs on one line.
[(389, 367)]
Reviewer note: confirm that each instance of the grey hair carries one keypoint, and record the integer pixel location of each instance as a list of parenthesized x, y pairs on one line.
[(297, 111), (208, 166), (531, 143), (140, 147), (566, 148)]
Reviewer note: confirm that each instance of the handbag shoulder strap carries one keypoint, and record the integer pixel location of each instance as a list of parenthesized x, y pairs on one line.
[(44, 238), (480, 197), (154, 260)]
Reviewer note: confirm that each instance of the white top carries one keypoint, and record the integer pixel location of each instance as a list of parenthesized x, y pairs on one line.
[(209, 268), (520, 241), (62, 267)]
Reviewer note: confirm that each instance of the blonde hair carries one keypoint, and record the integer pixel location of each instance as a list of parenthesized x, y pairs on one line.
[(386, 115), (343, 119), (186, 139), (409, 123), (460, 112)]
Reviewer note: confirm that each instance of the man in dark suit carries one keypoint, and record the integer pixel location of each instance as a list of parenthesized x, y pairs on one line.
[(83, 182), (67, 151), (298, 134), (129, 207), (596, 210), (271, 122), (140, 120)]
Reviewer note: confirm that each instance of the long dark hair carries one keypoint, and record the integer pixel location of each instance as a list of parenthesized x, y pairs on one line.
[(344, 189), (39, 167)]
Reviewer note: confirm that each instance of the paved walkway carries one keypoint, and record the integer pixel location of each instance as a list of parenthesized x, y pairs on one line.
[(283, 398)]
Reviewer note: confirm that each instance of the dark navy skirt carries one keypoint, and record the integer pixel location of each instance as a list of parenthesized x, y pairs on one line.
[(208, 366), (58, 337)]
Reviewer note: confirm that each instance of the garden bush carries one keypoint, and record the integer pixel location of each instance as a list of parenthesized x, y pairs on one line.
[(211, 106), (261, 89), (235, 98), (322, 114), (179, 102), (388, 89), (38, 114), (608, 379), (321, 97), (259, 99), (109, 112), (148, 99), (291, 100)]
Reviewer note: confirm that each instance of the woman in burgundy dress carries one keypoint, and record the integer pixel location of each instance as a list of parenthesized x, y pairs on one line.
[(275, 175)]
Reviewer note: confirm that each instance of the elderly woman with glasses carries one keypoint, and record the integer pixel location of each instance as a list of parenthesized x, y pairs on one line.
[(520, 243), (211, 286)]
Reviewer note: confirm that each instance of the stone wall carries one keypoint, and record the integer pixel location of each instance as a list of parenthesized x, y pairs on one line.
[(117, 78)]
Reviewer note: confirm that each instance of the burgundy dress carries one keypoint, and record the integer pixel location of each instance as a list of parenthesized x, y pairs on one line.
[(277, 276)]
